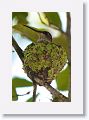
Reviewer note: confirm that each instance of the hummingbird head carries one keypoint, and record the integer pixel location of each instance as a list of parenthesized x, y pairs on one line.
[(45, 37), (48, 36)]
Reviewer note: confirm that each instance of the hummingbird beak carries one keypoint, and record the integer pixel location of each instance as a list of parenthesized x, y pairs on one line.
[(32, 28)]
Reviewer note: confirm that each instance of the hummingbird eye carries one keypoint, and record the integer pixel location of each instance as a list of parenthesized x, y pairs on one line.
[(48, 34)]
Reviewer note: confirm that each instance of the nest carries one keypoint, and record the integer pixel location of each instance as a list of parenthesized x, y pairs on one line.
[(45, 60)]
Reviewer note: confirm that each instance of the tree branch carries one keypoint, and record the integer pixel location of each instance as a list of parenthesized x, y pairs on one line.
[(36, 80), (68, 32), (60, 97), (34, 91), (18, 49), (54, 92)]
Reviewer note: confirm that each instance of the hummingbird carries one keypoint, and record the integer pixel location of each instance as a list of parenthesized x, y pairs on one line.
[(44, 36)]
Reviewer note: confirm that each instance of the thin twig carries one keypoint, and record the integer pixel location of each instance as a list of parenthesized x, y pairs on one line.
[(18, 49), (24, 94), (31, 76), (34, 91)]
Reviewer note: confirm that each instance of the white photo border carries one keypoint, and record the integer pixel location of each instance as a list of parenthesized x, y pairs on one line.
[(7, 106)]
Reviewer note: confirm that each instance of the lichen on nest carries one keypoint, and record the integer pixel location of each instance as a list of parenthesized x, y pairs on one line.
[(40, 56)]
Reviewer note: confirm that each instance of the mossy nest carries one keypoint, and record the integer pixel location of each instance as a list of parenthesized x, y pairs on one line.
[(40, 57)]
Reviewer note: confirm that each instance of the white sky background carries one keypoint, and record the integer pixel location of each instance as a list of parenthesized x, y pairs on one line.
[(17, 70)]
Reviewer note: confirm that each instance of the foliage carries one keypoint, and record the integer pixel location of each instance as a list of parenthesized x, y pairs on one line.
[(19, 82), (14, 94), (51, 19), (63, 79), (20, 16)]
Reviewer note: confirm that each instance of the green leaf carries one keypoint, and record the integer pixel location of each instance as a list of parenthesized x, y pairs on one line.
[(20, 82), (20, 16), (14, 94), (27, 32), (30, 99), (63, 79), (54, 19)]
